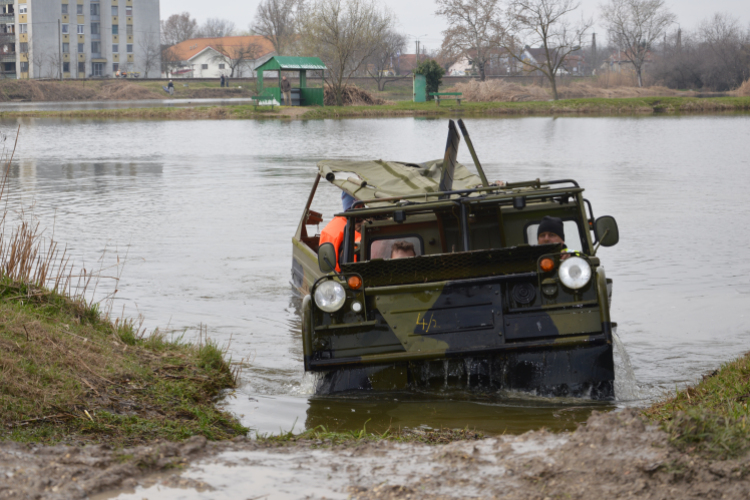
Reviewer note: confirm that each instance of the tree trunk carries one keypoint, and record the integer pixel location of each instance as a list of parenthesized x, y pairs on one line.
[(638, 71), (482, 76), (553, 84)]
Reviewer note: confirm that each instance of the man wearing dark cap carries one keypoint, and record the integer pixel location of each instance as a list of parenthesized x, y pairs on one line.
[(550, 231)]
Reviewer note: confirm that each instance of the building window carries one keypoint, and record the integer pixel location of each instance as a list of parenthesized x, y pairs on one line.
[(80, 48), (79, 10), (66, 48), (66, 67), (130, 29), (97, 69), (94, 9), (94, 28), (96, 47), (115, 48), (23, 8), (114, 10), (128, 10), (22, 28), (80, 29), (24, 47), (65, 29), (115, 29), (82, 69), (24, 67), (129, 48), (115, 67), (64, 8), (204, 66), (221, 66)]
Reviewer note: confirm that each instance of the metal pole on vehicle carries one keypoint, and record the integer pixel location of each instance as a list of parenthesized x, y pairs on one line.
[(473, 153)]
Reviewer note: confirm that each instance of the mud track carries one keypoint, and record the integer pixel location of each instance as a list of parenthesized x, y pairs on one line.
[(614, 455)]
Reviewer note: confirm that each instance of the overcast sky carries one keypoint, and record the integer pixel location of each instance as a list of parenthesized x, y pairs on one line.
[(417, 17)]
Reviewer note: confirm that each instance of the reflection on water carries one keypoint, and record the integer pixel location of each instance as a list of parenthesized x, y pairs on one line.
[(205, 211)]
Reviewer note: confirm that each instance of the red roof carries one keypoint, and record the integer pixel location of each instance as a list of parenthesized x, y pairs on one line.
[(188, 49)]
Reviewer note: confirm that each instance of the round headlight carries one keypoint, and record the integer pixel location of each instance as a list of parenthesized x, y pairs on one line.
[(330, 296), (575, 272)]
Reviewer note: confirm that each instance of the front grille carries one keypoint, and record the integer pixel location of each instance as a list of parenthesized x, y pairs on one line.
[(450, 266)]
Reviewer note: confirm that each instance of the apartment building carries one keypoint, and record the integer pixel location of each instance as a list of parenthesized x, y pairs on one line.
[(79, 38)]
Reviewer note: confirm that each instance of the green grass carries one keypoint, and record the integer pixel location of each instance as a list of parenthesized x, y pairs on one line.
[(321, 436), (593, 107), (69, 375), (710, 418)]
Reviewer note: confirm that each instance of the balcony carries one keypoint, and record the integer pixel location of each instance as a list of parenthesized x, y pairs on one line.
[(7, 18), (8, 57)]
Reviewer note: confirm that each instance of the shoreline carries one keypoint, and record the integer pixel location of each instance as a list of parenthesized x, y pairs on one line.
[(636, 106)]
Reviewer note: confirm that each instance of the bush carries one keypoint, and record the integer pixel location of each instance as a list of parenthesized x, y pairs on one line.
[(433, 74)]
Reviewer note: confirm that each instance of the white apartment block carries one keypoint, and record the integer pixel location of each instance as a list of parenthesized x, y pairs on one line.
[(79, 38)]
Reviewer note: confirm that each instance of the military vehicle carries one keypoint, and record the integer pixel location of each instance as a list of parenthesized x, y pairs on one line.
[(479, 304)]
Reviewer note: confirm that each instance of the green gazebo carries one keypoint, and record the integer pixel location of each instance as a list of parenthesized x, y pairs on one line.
[(307, 96)]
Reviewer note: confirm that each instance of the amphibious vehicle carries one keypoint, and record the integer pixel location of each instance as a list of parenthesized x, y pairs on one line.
[(477, 302)]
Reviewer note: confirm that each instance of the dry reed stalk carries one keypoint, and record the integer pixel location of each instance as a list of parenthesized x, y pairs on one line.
[(29, 258)]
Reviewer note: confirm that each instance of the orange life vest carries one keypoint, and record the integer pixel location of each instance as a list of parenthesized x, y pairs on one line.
[(334, 233)]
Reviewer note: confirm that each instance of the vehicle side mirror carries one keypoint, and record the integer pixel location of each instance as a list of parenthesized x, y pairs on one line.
[(327, 257), (605, 229)]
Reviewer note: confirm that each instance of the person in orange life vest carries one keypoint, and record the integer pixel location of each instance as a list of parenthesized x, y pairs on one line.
[(334, 230)]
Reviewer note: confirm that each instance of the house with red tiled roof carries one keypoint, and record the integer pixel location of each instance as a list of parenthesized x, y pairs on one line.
[(231, 56)]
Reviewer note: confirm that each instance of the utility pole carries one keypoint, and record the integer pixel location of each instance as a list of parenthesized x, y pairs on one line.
[(59, 51)]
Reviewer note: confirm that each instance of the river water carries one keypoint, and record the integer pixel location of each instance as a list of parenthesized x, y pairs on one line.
[(202, 213)]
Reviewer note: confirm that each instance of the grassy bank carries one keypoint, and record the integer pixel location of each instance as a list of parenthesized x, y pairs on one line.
[(593, 107), (68, 375), (710, 418)]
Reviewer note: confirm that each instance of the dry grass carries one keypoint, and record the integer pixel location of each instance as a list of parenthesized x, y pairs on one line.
[(503, 91), (32, 90), (743, 90)]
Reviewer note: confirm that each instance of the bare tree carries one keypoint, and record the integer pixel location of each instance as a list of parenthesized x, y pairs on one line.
[(37, 56), (215, 27), (547, 25), (634, 25), (381, 66), (170, 61), (344, 34), (726, 60), (237, 55), (178, 28), (150, 52), (474, 30), (278, 21)]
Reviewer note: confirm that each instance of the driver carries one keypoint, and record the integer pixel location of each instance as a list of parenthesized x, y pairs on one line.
[(402, 250), (550, 231)]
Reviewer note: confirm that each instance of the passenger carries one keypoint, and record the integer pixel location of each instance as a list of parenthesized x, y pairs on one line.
[(402, 250), (334, 230)]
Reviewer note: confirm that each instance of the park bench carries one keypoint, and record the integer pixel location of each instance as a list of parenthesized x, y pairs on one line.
[(264, 102), (446, 95)]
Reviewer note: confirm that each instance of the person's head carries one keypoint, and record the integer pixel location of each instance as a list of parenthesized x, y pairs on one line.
[(402, 250), (283, 78), (550, 231)]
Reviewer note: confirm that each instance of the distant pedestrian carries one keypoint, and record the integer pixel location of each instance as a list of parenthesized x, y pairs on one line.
[(286, 89), (222, 80), (170, 87)]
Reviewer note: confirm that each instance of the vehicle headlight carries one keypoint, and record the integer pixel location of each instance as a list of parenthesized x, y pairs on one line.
[(575, 272), (330, 296)]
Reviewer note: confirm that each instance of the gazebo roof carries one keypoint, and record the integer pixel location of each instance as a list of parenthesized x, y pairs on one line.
[(284, 63)]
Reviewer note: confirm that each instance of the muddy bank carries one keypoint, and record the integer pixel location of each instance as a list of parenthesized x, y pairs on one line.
[(614, 455)]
